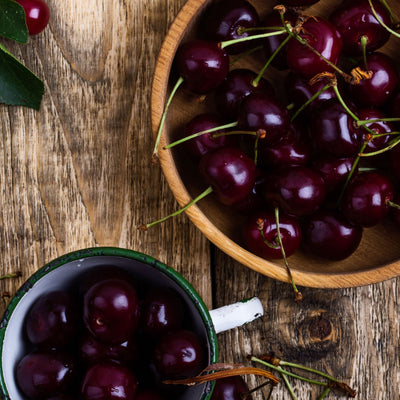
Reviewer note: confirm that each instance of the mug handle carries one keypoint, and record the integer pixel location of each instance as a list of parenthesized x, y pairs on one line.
[(236, 314)]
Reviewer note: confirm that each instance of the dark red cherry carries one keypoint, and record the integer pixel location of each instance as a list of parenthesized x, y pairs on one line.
[(223, 19), (271, 43), (148, 394), (179, 354), (230, 172), (62, 396), (206, 143), (375, 92), (162, 311), (37, 15), (297, 190), (323, 37), (52, 320), (301, 91), (254, 242), (109, 381), (365, 199), (264, 112), (290, 149), (333, 170), (111, 311), (92, 350), (380, 128), (238, 84), (330, 235), (231, 388), (333, 130), (355, 19), (41, 375), (202, 64)]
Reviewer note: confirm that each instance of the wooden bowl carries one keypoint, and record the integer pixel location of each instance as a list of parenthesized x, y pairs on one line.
[(378, 256)]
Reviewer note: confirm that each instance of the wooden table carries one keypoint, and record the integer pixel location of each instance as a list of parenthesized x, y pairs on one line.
[(77, 174)]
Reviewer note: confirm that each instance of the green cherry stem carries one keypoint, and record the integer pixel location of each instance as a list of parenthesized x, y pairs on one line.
[(298, 295), (381, 22), (197, 134), (392, 16), (260, 227), (309, 101), (12, 275), (287, 383), (304, 368), (364, 42), (163, 117), (194, 201), (324, 394), (253, 37), (393, 205), (371, 121), (392, 144)]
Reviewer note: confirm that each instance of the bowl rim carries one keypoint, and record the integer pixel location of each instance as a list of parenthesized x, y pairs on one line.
[(120, 253), (159, 90)]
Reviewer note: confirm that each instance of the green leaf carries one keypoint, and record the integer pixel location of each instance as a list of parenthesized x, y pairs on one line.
[(12, 21), (18, 85)]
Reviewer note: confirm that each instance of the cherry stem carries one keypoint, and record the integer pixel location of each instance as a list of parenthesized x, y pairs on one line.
[(381, 22), (256, 150), (343, 103), (324, 394), (197, 134), (163, 117), (245, 54), (242, 30), (310, 100), (371, 121), (304, 368), (287, 383), (253, 37), (364, 42), (393, 205), (260, 227), (260, 133), (392, 16), (12, 275), (249, 392), (174, 214), (298, 295), (392, 144), (267, 64)]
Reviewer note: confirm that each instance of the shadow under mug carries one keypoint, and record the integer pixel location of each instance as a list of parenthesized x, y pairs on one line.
[(66, 270)]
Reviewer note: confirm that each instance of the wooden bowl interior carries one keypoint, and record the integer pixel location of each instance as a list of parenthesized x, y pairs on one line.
[(377, 258)]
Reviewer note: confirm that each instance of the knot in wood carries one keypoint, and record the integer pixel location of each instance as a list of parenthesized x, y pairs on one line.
[(320, 328)]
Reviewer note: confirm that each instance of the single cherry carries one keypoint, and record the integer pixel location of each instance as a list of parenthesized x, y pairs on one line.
[(109, 381), (111, 311), (323, 37), (202, 64), (224, 20), (230, 172), (355, 20), (365, 199), (42, 374), (37, 15), (179, 354), (231, 388), (330, 235), (255, 241), (52, 320)]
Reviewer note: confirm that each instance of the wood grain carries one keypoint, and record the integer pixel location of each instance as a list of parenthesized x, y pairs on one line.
[(78, 174)]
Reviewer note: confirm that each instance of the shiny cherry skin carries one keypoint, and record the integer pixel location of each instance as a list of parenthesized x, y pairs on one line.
[(179, 354), (380, 127), (201, 145), (109, 381), (323, 37), (254, 242), (375, 92), (52, 321), (333, 130), (238, 84), (333, 170), (271, 44), (355, 19), (230, 172), (42, 374), (111, 310), (92, 350), (148, 394), (301, 91), (223, 19), (264, 112), (365, 199), (231, 388), (162, 311), (297, 190), (37, 15), (290, 149), (330, 235), (394, 163), (202, 64)]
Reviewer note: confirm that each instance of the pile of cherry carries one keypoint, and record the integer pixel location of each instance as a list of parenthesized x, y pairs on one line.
[(295, 162), (120, 340)]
